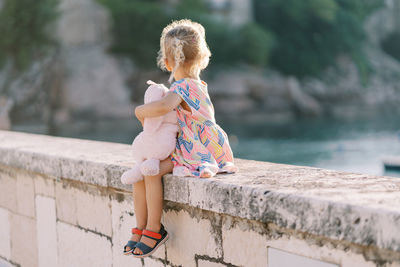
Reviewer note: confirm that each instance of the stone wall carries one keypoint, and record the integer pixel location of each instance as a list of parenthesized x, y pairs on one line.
[(61, 204)]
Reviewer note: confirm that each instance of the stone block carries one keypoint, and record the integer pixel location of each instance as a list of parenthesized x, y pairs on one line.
[(23, 240), (5, 245), (189, 236), (149, 262), (44, 186), (238, 242), (326, 252), (4, 263), (84, 171), (176, 189), (206, 263), (123, 219), (278, 258), (46, 231), (8, 189), (66, 203), (82, 248), (25, 194), (160, 253), (93, 212)]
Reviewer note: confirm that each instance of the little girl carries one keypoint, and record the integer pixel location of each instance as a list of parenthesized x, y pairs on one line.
[(202, 148)]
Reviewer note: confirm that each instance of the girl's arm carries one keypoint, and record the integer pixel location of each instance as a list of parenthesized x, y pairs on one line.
[(158, 108)]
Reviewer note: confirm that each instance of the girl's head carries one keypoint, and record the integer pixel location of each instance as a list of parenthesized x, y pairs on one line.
[(183, 45)]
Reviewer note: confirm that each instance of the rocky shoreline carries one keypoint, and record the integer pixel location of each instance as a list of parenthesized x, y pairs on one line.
[(80, 79)]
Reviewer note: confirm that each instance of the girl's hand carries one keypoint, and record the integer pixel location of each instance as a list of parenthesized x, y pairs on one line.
[(158, 108), (139, 115)]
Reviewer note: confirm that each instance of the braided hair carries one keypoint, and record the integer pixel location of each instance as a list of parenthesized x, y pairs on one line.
[(184, 42)]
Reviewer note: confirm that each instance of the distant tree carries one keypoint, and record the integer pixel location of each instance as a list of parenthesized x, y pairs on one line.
[(24, 28), (310, 34), (295, 37), (138, 25)]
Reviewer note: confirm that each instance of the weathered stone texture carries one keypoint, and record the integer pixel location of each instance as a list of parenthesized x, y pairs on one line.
[(323, 202), (4, 263), (188, 236), (44, 186), (66, 203), (341, 256), (25, 195), (149, 262), (78, 247), (238, 242), (8, 187), (278, 257), (64, 157), (343, 218), (23, 240), (123, 219), (5, 241), (205, 263), (93, 212)]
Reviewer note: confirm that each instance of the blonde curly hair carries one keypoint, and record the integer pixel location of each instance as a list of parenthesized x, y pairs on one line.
[(184, 42)]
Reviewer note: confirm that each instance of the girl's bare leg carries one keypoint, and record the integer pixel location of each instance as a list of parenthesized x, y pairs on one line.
[(140, 207), (154, 198)]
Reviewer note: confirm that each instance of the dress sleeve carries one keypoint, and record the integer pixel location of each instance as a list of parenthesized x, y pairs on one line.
[(187, 93)]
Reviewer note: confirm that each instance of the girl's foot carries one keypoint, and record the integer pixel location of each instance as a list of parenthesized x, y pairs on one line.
[(229, 168), (135, 237), (206, 173), (145, 250), (146, 240)]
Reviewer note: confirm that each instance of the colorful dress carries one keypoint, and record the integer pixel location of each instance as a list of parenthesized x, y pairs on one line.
[(202, 145)]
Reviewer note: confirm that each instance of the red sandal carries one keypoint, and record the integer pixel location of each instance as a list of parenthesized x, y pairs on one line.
[(160, 237), (131, 243)]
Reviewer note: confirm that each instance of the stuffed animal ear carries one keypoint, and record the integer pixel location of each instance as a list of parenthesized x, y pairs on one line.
[(154, 92), (152, 124)]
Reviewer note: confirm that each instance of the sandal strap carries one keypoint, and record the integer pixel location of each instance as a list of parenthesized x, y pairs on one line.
[(130, 244), (151, 234), (144, 248), (136, 231)]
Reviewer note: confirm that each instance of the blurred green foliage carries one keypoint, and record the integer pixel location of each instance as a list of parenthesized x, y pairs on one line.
[(295, 37), (256, 44), (24, 27), (310, 34), (138, 25)]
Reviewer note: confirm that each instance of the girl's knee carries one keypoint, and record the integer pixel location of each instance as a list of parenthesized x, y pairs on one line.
[(149, 177), (138, 184)]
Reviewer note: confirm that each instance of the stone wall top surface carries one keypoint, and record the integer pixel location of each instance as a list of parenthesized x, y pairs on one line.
[(359, 208)]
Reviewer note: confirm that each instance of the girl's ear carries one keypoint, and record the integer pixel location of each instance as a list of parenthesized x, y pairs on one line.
[(167, 65)]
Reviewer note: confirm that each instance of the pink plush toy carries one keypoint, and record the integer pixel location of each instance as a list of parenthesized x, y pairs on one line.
[(156, 142)]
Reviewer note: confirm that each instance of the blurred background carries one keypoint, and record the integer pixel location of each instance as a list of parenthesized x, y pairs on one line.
[(311, 82)]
